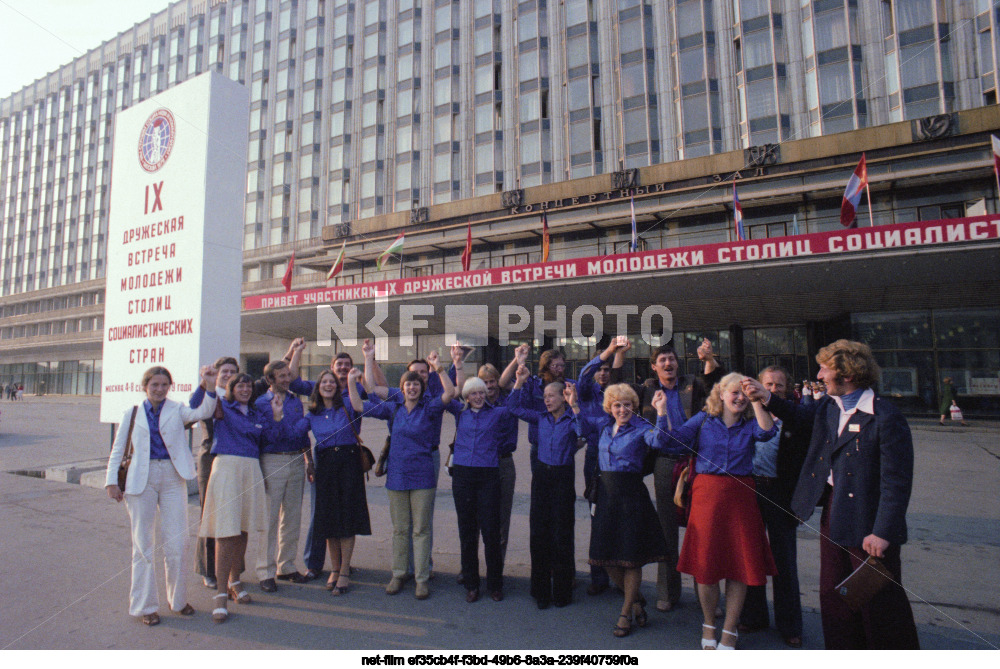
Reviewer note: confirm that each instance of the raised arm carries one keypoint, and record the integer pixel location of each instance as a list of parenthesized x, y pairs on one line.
[(520, 358), (434, 362), (296, 349), (378, 376), (372, 388), (519, 402), (458, 363), (204, 408), (352, 389)]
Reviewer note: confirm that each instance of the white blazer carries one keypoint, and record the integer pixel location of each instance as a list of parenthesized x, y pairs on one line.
[(173, 416)]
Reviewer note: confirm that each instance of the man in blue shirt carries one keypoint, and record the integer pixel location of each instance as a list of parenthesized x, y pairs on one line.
[(283, 466)]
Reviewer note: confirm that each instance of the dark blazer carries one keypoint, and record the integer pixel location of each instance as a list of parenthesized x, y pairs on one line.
[(792, 448), (872, 469)]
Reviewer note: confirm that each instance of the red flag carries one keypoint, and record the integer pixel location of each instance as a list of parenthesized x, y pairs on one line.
[(338, 264), (995, 143), (852, 194), (545, 238), (286, 280), (467, 253)]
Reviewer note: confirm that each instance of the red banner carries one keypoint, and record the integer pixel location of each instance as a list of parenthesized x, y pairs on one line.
[(900, 235)]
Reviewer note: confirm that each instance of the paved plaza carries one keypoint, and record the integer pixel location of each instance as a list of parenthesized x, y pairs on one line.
[(66, 548)]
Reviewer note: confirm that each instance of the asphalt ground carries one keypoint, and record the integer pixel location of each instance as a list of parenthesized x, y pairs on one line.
[(65, 551)]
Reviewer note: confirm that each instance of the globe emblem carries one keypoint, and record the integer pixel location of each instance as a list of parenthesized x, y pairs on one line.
[(156, 140)]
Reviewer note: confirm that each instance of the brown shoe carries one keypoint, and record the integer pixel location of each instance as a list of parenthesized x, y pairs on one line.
[(422, 591), (472, 596), (188, 610), (151, 619), (394, 586)]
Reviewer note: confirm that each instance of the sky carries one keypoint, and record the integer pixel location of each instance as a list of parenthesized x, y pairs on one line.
[(39, 36)]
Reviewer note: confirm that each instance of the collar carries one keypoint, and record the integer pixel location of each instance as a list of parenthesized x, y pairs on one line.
[(866, 404), (148, 406)]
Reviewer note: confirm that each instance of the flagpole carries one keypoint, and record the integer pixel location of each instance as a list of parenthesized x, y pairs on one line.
[(871, 221)]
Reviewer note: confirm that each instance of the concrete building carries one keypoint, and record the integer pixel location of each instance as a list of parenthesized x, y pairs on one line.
[(374, 117)]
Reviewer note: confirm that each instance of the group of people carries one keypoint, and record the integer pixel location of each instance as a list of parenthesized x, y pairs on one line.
[(13, 391), (759, 462)]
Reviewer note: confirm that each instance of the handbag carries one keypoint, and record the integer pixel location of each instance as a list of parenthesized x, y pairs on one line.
[(864, 583), (381, 467), (129, 450), (683, 477), (364, 453)]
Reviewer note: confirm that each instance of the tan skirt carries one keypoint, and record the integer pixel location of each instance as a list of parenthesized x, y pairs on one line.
[(234, 498)]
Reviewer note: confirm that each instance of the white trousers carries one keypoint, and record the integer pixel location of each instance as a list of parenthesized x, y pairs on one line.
[(284, 481), (167, 490)]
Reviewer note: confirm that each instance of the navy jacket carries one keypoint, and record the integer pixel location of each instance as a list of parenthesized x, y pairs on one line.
[(872, 469)]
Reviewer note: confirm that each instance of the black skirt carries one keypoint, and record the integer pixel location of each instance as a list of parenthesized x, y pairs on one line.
[(626, 530), (341, 500)]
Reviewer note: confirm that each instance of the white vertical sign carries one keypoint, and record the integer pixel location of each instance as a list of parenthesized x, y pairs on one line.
[(175, 237)]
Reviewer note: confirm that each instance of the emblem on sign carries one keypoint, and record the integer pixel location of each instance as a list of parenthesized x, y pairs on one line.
[(156, 140)]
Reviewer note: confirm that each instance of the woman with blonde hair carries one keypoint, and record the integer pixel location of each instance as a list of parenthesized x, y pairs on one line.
[(626, 534), (725, 536)]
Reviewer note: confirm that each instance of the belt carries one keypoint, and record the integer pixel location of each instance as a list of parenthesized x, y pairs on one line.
[(765, 480), (298, 452)]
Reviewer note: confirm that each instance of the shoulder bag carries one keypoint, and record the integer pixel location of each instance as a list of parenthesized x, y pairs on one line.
[(364, 453), (129, 450)]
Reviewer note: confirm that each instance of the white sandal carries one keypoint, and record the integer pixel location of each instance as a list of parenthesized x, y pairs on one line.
[(735, 636), (241, 596), (708, 644), (221, 614)]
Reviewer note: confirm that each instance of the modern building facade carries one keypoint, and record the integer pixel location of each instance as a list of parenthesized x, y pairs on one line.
[(377, 116)]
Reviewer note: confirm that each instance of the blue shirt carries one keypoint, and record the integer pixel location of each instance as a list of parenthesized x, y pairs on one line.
[(433, 391), (558, 439), (625, 450), (291, 410), (330, 427), (302, 387), (410, 464), (721, 449), (242, 434), (479, 434), (765, 457), (157, 449), (589, 392)]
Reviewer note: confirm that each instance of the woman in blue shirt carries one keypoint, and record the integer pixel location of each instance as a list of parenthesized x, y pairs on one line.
[(234, 498), (410, 479), (341, 509), (626, 533), (551, 516), (725, 536), (475, 485)]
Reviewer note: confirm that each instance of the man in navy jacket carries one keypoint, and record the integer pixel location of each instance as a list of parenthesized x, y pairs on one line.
[(859, 468)]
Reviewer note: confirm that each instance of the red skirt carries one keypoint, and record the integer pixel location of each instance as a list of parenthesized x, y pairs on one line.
[(725, 537)]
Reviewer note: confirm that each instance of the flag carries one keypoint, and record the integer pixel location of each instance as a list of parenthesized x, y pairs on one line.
[(852, 194), (338, 264), (467, 253), (738, 215), (634, 246), (394, 248), (545, 237), (286, 280), (795, 224)]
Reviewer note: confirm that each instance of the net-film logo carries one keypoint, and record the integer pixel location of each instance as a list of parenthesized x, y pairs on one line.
[(156, 140)]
